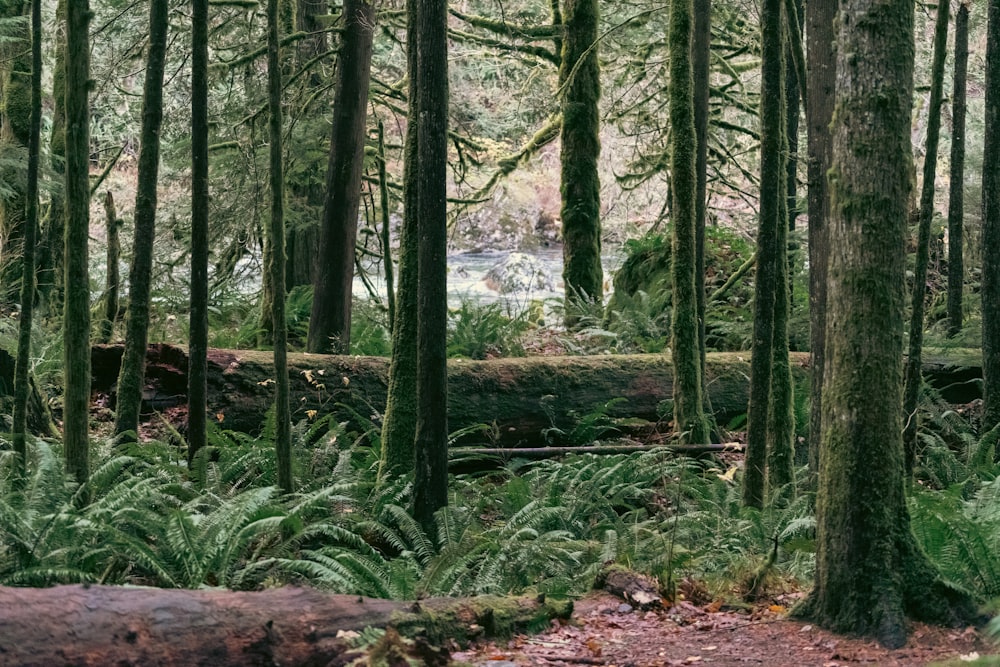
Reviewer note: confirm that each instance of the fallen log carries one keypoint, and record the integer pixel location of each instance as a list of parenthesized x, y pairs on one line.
[(108, 625), (515, 398), (479, 459)]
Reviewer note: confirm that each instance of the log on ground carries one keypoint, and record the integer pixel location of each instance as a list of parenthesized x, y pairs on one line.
[(108, 625), (516, 398)]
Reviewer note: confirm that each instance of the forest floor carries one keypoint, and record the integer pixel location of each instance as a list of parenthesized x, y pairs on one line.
[(604, 631)]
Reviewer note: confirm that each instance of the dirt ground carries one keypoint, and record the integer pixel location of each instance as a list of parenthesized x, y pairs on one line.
[(604, 631)]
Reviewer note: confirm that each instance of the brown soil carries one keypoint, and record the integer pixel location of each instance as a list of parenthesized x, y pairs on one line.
[(603, 632)]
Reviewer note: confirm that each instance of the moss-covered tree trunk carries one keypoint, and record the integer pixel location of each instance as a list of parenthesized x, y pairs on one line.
[(400, 422), (911, 376), (330, 320), (76, 284), (130, 379), (870, 574), (771, 253), (22, 387), (276, 268), (198, 324), (15, 96), (580, 184), (385, 234), (793, 20), (430, 483), (701, 51), (990, 293), (821, 55), (956, 185), (689, 417), (50, 255), (112, 276)]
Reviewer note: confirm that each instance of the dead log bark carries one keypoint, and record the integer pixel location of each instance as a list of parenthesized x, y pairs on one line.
[(517, 397), (107, 625)]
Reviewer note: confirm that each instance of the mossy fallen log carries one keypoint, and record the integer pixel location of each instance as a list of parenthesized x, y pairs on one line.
[(515, 399), (108, 625)]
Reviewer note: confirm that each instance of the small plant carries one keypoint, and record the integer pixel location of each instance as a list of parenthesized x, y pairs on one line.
[(482, 331)]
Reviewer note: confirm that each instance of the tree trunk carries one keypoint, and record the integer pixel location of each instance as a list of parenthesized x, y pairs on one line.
[(430, 483), (276, 268), (112, 277), (106, 625), (131, 378), (689, 418), (870, 573), (956, 186), (15, 113), (198, 325), (580, 185), (330, 321), (50, 269), (820, 80), (400, 423), (701, 53), (991, 225), (911, 376), (22, 379), (76, 286), (769, 286)]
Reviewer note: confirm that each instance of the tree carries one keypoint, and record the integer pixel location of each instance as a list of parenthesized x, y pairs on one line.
[(956, 189), (430, 484), (689, 418), (76, 313), (870, 573), (133, 369), (580, 185), (21, 382), (198, 325), (276, 237), (701, 52), (912, 377), (112, 277), (330, 321), (400, 421), (50, 255), (820, 79), (15, 89), (990, 293)]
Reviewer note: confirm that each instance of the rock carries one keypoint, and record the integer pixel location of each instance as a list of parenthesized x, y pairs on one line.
[(519, 272)]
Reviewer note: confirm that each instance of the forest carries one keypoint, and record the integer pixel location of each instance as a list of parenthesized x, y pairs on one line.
[(499, 333)]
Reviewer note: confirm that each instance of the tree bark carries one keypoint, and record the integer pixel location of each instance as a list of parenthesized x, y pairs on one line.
[(820, 78), (580, 185), (112, 279), (689, 417), (276, 268), (870, 574), (50, 266), (198, 324), (701, 53), (911, 376), (76, 285), (106, 625), (990, 293), (956, 189), (770, 292), (330, 321), (131, 378)]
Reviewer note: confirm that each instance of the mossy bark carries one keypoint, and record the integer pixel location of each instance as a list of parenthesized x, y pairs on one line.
[(956, 180), (911, 375), (701, 52), (76, 284), (430, 483), (15, 112), (50, 265), (870, 574), (769, 286), (198, 323), (990, 292), (400, 422), (689, 417), (330, 320), (22, 380), (130, 380), (821, 54), (276, 267), (580, 184)]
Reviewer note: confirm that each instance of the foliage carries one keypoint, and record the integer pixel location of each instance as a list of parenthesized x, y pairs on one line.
[(485, 330)]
